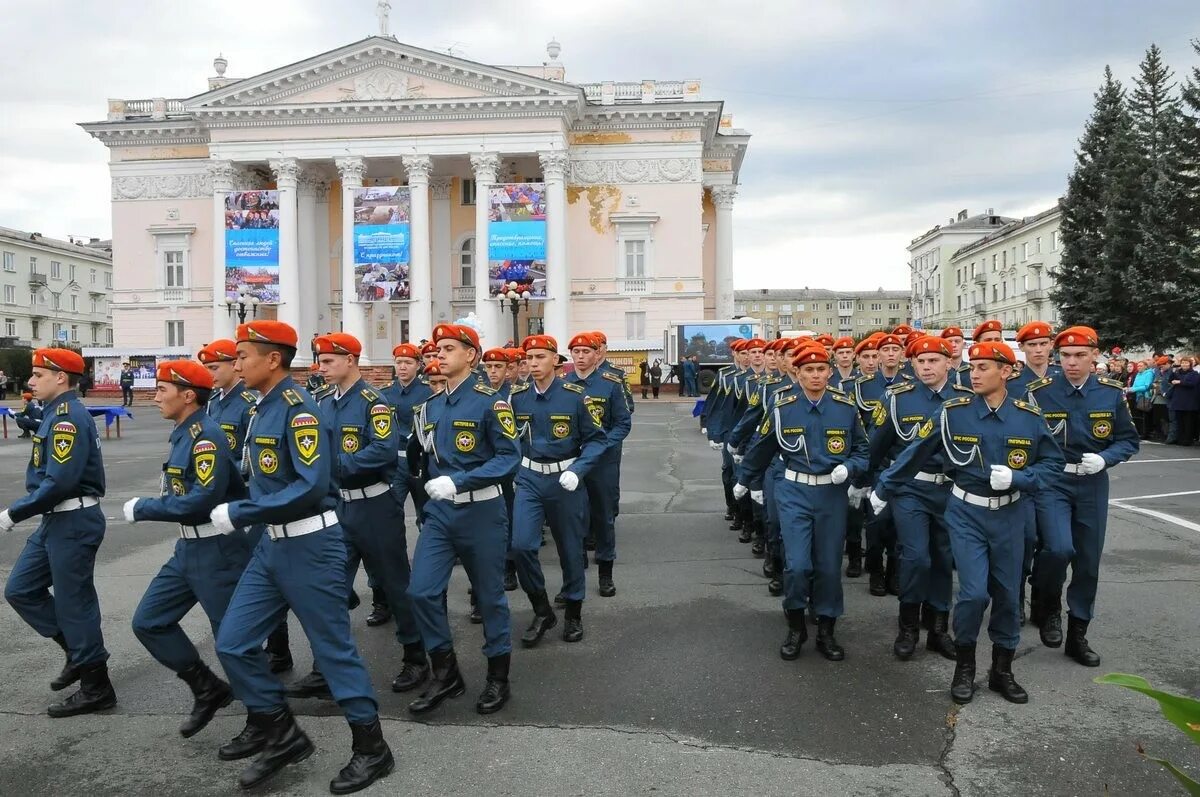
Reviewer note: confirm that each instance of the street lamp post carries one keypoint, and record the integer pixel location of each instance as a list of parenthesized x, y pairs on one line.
[(56, 306), (244, 302), (513, 298)]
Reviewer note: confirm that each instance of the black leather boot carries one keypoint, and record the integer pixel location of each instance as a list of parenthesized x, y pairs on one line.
[(414, 669), (311, 685), (854, 560), (768, 566), (607, 588), (447, 682), (285, 744), (737, 523), (371, 760), (380, 611), (729, 512), (279, 654), (95, 693), (962, 686), (589, 543), (877, 585), (251, 740), (910, 631), (1077, 644), (759, 546), (1049, 620), (747, 529), (544, 619), (559, 600), (775, 587), (573, 622), (495, 692), (827, 644), (797, 635), (211, 695), (938, 638), (475, 617), (892, 576), (1000, 677), (510, 575), (70, 673)]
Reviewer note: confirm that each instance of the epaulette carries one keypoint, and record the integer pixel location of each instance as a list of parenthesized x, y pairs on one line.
[(292, 397), (525, 386), (781, 399), (842, 397), (863, 379), (574, 388), (486, 390), (62, 409), (195, 429), (962, 388), (369, 394), (964, 367), (1025, 405), (1104, 380), (1039, 383), (611, 377), (248, 397), (837, 391), (772, 380), (901, 387), (961, 401)]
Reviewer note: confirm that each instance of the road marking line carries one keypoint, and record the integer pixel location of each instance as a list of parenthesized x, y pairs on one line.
[(1157, 495), (1142, 461), (1178, 521)]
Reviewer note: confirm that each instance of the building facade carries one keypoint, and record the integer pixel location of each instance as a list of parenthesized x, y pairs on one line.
[(929, 264), (54, 291), (640, 181), (854, 313)]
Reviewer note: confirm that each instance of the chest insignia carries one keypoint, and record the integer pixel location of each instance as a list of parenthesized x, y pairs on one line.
[(560, 429), (835, 443), (1102, 429), (268, 461), (349, 442), (1018, 458), (464, 441)]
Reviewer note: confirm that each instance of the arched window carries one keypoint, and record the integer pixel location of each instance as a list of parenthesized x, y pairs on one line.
[(466, 262)]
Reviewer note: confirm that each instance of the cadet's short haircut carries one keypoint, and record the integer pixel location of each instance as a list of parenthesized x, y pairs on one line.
[(286, 353)]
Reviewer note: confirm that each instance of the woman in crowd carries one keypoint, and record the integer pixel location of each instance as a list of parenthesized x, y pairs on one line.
[(1185, 400)]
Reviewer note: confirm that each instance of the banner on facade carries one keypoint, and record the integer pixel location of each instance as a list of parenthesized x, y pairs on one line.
[(252, 245), (517, 237), (381, 243)]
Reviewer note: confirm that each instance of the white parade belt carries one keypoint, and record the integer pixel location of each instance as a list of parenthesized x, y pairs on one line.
[(370, 491), (198, 532), (1076, 469), (934, 478), (990, 502), (811, 479), (298, 528), (547, 467), (74, 503), (474, 496)]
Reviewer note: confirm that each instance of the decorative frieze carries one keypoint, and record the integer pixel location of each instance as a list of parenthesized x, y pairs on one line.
[(636, 170)]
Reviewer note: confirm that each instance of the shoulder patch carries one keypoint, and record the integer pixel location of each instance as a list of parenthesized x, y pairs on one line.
[(574, 388), (1038, 383), (292, 397), (248, 397), (303, 419), (961, 401), (62, 409), (962, 388), (370, 395), (837, 395), (204, 446), (504, 414), (901, 387), (1025, 405), (611, 377), (484, 389), (65, 427), (1104, 380), (195, 429)]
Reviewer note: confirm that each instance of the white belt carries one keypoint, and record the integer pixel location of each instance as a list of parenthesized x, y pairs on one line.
[(991, 502), (370, 491), (298, 528), (198, 532), (1076, 469), (807, 478), (471, 497), (74, 503), (547, 467), (935, 478)]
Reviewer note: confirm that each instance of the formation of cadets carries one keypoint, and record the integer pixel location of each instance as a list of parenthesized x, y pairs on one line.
[(946, 461), (280, 492)]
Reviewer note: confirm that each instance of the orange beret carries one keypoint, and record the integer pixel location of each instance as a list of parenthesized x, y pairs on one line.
[(515, 354), (843, 343), (993, 350), (1162, 361), (915, 335), (1034, 330), (540, 342), (927, 344), (987, 326), (600, 337), (220, 350), (584, 339), (185, 373), (429, 348), (27, 396), (825, 339), (952, 332), (406, 350), (787, 345), (754, 343), (902, 330), (1077, 336), (433, 369), (496, 356), (314, 367), (337, 343), (63, 360), (888, 340), (276, 332), (810, 354), (866, 344), (460, 332)]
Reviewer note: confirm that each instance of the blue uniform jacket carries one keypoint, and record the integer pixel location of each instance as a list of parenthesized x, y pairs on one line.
[(811, 438), (364, 428), (1021, 381), (232, 413), (606, 401), (1092, 420), (199, 473), (558, 425), (469, 434), (869, 393), (910, 412), (65, 461), (765, 387), (620, 372), (711, 416)]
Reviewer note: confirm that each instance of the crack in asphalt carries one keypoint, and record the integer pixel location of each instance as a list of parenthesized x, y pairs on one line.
[(673, 462), (946, 776)]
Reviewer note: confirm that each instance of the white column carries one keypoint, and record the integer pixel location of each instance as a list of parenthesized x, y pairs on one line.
[(354, 313), (440, 257), (308, 187), (558, 275), (287, 173), (420, 309), (485, 165), (722, 197), (222, 174), (322, 287)]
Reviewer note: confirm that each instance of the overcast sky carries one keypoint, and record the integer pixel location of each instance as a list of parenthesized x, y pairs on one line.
[(869, 125)]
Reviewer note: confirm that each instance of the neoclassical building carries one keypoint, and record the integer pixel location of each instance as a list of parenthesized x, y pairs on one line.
[(640, 180)]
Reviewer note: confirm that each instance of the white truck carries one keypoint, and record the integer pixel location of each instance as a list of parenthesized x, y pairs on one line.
[(709, 340)]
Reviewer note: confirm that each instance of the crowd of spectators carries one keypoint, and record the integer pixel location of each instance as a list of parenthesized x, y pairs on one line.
[(1164, 396)]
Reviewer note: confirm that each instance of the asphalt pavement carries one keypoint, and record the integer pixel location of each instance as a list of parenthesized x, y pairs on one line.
[(677, 687)]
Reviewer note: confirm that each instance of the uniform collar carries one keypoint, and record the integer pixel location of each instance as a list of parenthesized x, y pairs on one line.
[(356, 387), (819, 404), (274, 393), (180, 430), (553, 387), (1083, 389), (940, 391), (983, 410)]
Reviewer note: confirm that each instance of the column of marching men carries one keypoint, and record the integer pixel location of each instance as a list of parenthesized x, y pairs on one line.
[(279, 493), (948, 461)]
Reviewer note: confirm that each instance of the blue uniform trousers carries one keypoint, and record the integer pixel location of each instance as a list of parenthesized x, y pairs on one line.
[(728, 476), (771, 477), (508, 490), (374, 529), (602, 488), (62, 554), (881, 538), (203, 571), (1032, 538), (988, 547), (813, 527), (923, 545), (540, 497), (1075, 513), (307, 575), (477, 534)]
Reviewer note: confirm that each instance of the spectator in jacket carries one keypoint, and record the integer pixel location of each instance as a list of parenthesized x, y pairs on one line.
[(1185, 400), (1161, 422), (1140, 394)]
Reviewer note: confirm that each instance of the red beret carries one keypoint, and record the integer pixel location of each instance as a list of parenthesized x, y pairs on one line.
[(220, 350), (63, 360), (789, 344), (275, 332), (433, 369), (600, 337), (902, 330), (406, 350), (337, 343), (993, 350), (460, 332), (1162, 360), (540, 342), (496, 356), (314, 367), (429, 348), (866, 344), (987, 326), (27, 396), (889, 340), (843, 343), (515, 354), (754, 343), (1077, 336), (952, 332), (825, 339), (810, 354), (916, 334), (927, 344), (735, 345), (1034, 330), (584, 339), (185, 373)]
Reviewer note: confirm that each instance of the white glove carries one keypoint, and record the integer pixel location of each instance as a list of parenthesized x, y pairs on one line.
[(568, 481), (855, 495), (220, 519), (839, 474), (130, 505), (737, 459), (1001, 477), (740, 491), (704, 430), (757, 497), (877, 503), (714, 445), (441, 489), (1092, 463), (6, 522), (729, 447)]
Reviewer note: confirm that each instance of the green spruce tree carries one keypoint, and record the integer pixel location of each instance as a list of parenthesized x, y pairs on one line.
[(1190, 174)]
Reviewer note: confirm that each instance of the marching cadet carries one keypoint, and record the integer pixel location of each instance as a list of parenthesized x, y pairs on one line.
[(744, 388), (437, 381), (1090, 417), (523, 369), (842, 379), (1036, 340), (561, 440), (759, 387), (469, 435), (604, 366), (65, 482), (960, 372), (498, 364), (606, 400), (823, 444), (299, 563), (199, 474), (844, 374), (405, 392), (713, 422), (428, 353), (997, 451), (990, 331)]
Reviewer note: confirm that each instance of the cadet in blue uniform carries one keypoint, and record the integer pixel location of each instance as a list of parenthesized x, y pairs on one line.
[(498, 364), (65, 480), (469, 435), (960, 372), (843, 379), (604, 366), (606, 399), (561, 440), (997, 451), (199, 474), (1090, 417), (823, 444), (713, 422), (750, 517), (299, 563)]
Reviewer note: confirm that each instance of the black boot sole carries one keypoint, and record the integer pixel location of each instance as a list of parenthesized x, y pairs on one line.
[(294, 758), (91, 708), (212, 713), (437, 701), (1018, 699), (549, 621), (58, 685), (382, 772)]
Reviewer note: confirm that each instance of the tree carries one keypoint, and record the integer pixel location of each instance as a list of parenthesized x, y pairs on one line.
[(1189, 165)]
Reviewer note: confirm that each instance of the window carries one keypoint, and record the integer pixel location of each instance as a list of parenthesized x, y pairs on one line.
[(108, 279), (1004, 259), (468, 191), (55, 270), (74, 303), (33, 331), (94, 310), (958, 276), (635, 326), (173, 265), (770, 308), (32, 264), (108, 336), (894, 306), (56, 331), (92, 277), (10, 262), (877, 321), (995, 293), (1004, 295), (785, 321), (994, 258), (845, 306), (829, 322), (1025, 284), (876, 306), (75, 332), (828, 306), (635, 259), (10, 294), (959, 302), (1037, 245), (1054, 241), (71, 272), (862, 322), (1024, 251), (799, 308), (785, 308), (466, 263), (175, 333), (10, 327)]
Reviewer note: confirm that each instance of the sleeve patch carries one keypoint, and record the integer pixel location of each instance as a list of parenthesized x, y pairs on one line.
[(381, 420), (204, 447), (303, 419), (66, 427), (508, 423)]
